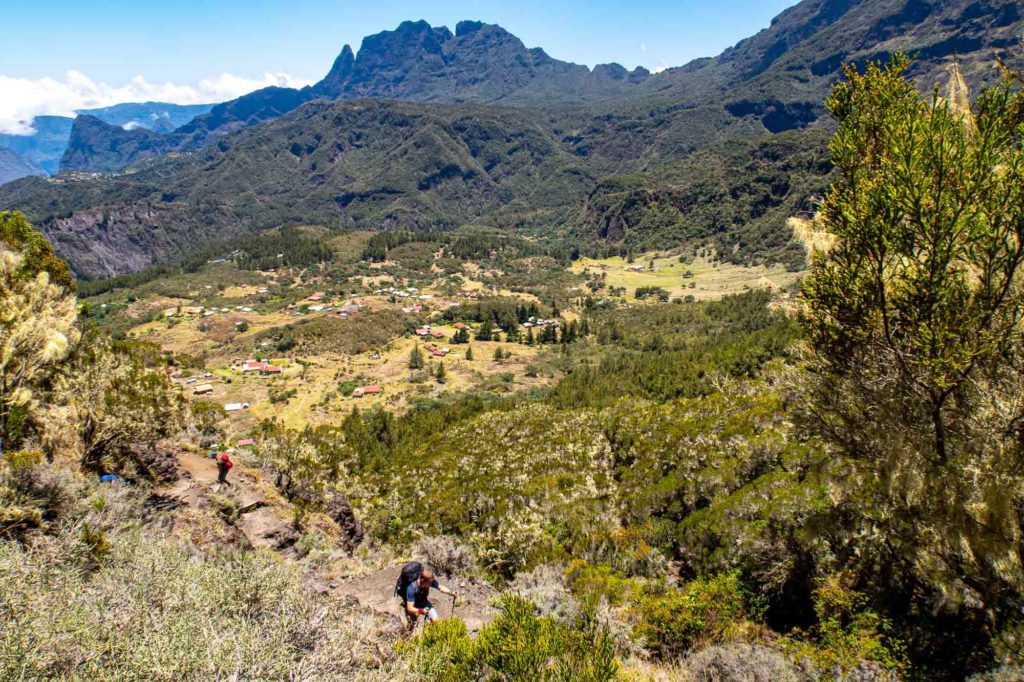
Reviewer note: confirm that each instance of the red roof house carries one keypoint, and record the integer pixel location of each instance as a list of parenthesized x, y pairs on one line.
[(245, 442), (372, 389)]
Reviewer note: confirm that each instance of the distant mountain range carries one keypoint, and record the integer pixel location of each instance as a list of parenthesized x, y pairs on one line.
[(479, 63), (426, 129), (14, 166), (45, 146)]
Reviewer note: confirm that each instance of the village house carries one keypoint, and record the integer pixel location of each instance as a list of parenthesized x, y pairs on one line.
[(202, 389), (245, 442)]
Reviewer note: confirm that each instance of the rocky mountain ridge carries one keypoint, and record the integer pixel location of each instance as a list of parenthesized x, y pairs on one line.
[(479, 63)]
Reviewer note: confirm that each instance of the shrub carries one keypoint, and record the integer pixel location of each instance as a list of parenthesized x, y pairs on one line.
[(702, 612), (739, 661), (518, 645), (446, 554), (155, 610), (848, 635), (545, 586)]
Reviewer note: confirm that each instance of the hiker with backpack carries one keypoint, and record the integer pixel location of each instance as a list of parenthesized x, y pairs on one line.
[(413, 587), (224, 465)]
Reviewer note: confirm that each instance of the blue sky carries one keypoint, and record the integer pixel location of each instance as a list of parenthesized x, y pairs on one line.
[(216, 48)]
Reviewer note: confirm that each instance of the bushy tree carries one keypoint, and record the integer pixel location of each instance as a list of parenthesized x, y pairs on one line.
[(914, 320), (416, 358), (37, 254), (37, 319), (112, 395)]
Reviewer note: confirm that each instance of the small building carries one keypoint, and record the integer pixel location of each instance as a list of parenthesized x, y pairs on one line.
[(202, 389), (459, 325), (245, 442), (236, 407), (437, 333), (372, 389), (357, 393), (318, 296)]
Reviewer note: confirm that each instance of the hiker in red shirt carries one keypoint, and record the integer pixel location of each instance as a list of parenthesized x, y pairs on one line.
[(224, 465)]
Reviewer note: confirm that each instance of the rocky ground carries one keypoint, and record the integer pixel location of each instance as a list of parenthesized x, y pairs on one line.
[(250, 512)]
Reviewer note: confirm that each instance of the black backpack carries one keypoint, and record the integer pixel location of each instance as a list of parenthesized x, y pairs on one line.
[(410, 574)]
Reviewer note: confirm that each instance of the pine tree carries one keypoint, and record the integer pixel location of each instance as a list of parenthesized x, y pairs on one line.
[(529, 337), (485, 333), (469, 352), (498, 353), (416, 358), (440, 373)]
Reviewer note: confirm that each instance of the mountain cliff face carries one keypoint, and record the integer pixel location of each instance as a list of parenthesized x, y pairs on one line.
[(623, 157), (478, 63)]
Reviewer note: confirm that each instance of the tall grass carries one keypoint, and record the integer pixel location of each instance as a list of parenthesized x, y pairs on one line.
[(161, 610)]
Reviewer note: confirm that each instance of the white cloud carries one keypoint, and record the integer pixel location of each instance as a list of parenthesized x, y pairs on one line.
[(23, 98), (658, 69), (643, 47)]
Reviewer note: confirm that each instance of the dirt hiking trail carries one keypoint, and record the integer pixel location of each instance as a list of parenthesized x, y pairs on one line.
[(260, 520)]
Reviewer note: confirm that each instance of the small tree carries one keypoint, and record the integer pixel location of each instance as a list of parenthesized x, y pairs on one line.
[(416, 358), (915, 323), (440, 374), (469, 352), (485, 332), (499, 354)]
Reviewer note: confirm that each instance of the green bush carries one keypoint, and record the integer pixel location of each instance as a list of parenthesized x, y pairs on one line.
[(518, 645), (703, 612), (847, 633)]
